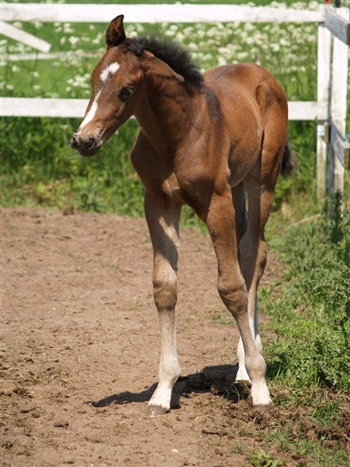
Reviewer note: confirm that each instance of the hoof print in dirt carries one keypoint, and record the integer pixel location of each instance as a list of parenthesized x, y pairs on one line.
[(61, 424)]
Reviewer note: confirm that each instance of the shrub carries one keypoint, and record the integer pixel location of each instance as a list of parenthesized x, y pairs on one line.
[(312, 314)]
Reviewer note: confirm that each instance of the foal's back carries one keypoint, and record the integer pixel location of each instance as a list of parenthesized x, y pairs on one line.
[(255, 112)]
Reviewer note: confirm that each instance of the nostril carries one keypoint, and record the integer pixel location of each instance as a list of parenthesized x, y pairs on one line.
[(86, 146), (74, 141), (90, 143)]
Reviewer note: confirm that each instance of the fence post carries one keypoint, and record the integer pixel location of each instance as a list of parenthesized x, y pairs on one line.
[(323, 88), (335, 180)]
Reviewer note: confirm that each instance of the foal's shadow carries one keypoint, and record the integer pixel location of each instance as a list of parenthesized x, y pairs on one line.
[(218, 380)]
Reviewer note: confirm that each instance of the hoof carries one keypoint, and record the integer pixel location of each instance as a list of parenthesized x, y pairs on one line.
[(242, 375), (263, 408), (156, 411)]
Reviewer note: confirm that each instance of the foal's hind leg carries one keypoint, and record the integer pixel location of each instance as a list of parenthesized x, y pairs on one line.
[(241, 223), (253, 254), (232, 289), (163, 223)]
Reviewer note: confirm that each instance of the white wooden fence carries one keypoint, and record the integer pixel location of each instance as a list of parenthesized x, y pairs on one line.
[(333, 150)]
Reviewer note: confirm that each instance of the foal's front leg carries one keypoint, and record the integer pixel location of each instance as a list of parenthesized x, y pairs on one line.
[(163, 224)]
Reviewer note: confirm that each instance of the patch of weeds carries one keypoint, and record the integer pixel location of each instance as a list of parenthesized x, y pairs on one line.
[(312, 311), (326, 412), (238, 448), (115, 265), (4, 346), (263, 459), (308, 353), (222, 317)]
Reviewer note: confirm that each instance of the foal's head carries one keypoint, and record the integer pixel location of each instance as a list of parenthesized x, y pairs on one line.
[(118, 83), (115, 86)]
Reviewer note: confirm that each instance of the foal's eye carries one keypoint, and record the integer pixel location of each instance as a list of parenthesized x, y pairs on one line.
[(125, 93)]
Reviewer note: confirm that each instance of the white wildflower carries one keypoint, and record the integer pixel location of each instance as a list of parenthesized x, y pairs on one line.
[(221, 61), (193, 46), (275, 47), (180, 37), (313, 5), (278, 5), (249, 27), (73, 40), (140, 29), (67, 28)]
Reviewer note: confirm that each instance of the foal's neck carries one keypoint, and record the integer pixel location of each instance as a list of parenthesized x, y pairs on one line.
[(165, 115)]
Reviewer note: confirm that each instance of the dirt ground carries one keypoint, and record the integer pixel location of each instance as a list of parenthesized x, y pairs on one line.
[(80, 347)]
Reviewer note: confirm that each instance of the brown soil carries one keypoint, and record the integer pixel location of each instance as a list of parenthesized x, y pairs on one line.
[(79, 355)]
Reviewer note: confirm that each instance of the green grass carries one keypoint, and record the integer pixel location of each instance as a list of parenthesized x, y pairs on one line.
[(311, 310), (309, 327)]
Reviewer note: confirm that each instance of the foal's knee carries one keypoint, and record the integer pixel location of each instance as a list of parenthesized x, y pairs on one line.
[(234, 296), (165, 293)]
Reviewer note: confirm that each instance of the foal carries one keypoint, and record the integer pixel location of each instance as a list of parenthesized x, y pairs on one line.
[(205, 141)]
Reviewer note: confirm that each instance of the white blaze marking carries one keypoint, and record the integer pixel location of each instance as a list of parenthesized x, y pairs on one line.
[(109, 70), (90, 115)]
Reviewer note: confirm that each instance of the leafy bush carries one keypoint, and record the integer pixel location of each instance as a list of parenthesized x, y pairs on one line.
[(312, 314), (39, 167)]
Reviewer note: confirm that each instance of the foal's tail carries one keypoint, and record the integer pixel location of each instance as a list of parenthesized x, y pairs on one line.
[(289, 162)]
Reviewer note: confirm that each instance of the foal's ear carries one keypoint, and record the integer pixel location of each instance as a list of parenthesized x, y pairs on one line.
[(115, 34)]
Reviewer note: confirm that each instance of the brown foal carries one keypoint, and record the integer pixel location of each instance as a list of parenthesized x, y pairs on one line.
[(205, 141)]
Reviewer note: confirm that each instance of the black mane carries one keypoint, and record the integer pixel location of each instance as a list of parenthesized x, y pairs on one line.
[(171, 53)]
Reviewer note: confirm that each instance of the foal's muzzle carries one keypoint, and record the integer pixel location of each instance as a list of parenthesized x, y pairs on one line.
[(86, 147)]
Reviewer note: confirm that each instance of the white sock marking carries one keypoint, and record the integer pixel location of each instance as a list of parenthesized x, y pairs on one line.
[(109, 70)]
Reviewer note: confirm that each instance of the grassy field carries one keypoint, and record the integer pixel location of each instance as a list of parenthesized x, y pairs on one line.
[(309, 354)]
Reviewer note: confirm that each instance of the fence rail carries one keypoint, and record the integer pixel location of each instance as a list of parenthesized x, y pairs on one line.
[(178, 13), (333, 150), (75, 108)]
